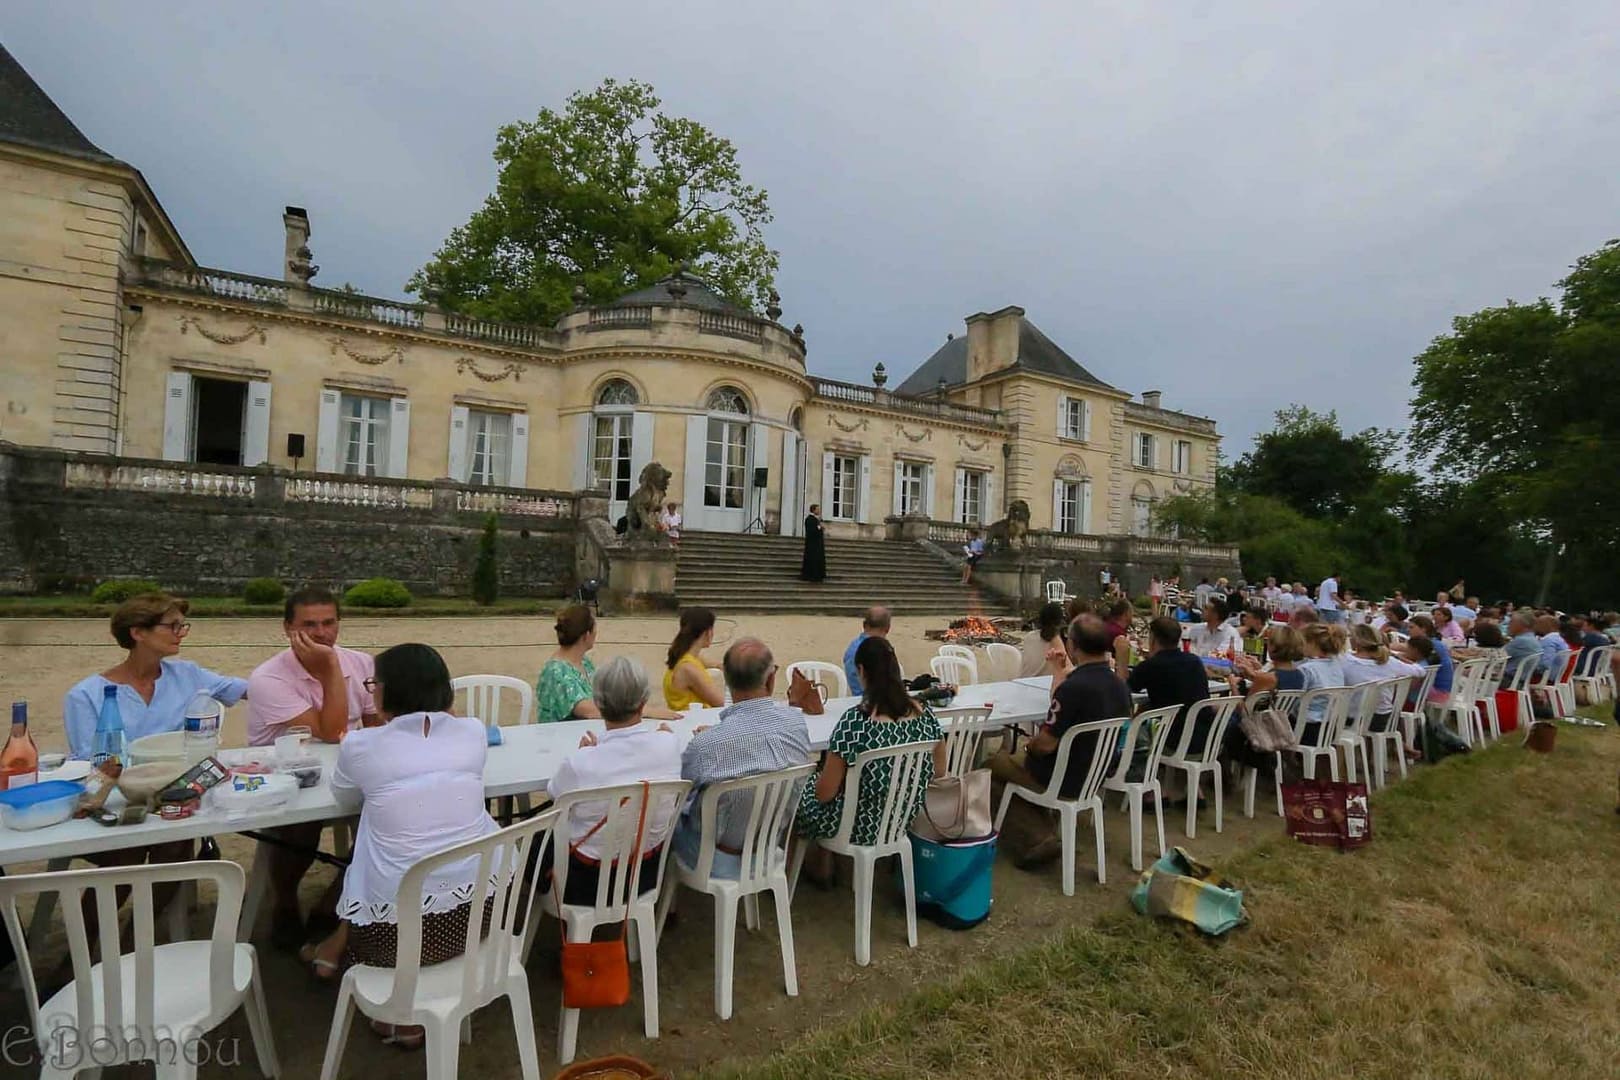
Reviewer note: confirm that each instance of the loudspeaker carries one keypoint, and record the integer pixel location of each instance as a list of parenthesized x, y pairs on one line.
[(295, 445), (761, 477)]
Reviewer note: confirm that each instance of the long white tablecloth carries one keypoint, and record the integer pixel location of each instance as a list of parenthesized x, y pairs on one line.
[(524, 763)]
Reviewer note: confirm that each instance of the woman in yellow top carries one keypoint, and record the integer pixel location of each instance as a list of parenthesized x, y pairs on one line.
[(687, 683)]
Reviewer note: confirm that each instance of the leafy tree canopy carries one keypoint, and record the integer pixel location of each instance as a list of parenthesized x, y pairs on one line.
[(609, 194), (1307, 462)]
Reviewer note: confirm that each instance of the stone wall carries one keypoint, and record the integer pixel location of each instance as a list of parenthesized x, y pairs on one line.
[(67, 522)]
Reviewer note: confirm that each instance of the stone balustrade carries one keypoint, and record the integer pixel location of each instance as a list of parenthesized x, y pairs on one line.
[(855, 394), (157, 478)]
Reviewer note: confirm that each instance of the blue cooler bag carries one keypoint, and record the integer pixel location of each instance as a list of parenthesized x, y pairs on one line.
[(953, 880)]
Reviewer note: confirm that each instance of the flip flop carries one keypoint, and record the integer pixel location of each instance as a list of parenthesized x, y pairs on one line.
[(396, 1035), (320, 968)]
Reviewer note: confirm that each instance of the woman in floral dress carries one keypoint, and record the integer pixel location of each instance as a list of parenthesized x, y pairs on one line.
[(886, 716)]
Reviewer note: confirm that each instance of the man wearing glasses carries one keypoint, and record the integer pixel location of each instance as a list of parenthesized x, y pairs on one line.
[(319, 685)]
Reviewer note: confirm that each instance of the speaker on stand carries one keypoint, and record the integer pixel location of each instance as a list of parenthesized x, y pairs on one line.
[(762, 476)]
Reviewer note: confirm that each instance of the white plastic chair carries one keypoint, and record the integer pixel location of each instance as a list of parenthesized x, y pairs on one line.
[(1414, 710), (965, 729), (1215, 714), (1003, 661), (1597, 674), (1087, 798), (964, 651), (1463, 704), (1518, 682), (1485, 687), (1359, 712), (616, 893), (1288, 702), (1383, 740), (442, 998), (1057, 592), (904, 790), (828, 676), (1158, 724), (954, 670), (484, 694), (135, 1008), (1559, 691), (772, 801)]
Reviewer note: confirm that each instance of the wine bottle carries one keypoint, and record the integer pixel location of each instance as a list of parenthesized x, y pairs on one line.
[(19, 761)]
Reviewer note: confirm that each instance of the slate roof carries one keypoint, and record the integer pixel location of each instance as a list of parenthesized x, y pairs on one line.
[(698, 294), (28, 115), (1036, 352)]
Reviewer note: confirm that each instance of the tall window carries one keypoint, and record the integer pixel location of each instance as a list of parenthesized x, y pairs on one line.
[(610, 455), (1142, 511), (363, 426), (1144, 450), (725, 468), (913, 487), (489, 437), (845, 488), (1075, 419), (973, 498), (1181, 460), (1072, 500)]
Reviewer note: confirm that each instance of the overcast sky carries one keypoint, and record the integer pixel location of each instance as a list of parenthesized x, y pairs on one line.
[(1243, 204)]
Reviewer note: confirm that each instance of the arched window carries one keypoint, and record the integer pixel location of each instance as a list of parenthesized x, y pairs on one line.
[(617, 392), (796, 420), (727, 399), (1142, 509)]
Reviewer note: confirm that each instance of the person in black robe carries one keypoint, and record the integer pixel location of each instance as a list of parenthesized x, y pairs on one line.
[(814, 567)]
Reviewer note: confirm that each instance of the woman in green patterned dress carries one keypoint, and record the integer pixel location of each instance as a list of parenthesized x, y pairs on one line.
[(886, 716), (563, 691)]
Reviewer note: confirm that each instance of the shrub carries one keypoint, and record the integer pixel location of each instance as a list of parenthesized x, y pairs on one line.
[(1143, 603), (264, 590), (116, 592), (377, 592), (486, 578)]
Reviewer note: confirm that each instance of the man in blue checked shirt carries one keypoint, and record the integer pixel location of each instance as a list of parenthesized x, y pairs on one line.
[(874, 624)]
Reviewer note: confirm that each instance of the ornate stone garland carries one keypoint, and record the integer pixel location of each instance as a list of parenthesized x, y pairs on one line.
[(970, 444), (395, 353), (925, 435), (467, 364), (859, 425), (191, 322)]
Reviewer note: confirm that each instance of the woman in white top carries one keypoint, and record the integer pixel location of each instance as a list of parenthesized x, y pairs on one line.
[(1369, 661), (1322, 668), (1038, 642), (418, 779)]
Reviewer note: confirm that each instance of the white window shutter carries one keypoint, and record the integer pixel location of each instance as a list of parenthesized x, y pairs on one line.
[(863, 505), (693, 513), (177, 417), (399, 437), (792, 512), (326, 433), (459, 468), (1057, 505), (1084, 524), (988, 510), (1085, 421), (826, 482), (256, 429), (1063, 416), (641, 444), (517, 469), (928, 491), (582, 451), (759, 457), (959, 507), (894, 500)]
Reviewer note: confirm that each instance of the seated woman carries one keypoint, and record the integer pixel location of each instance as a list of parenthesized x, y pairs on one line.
[(1446, 628), (886, 716), (1321, 668), (629, 751), (686, 682), (1370, 661), (1287, 649), (1038, 642), (418, 779), (563, 691)]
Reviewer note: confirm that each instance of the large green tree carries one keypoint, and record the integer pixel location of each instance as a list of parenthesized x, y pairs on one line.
[(1308, 462), (609, 194)]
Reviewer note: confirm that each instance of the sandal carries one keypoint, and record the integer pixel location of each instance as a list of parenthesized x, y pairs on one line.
[(403, 1036), (320, 968)]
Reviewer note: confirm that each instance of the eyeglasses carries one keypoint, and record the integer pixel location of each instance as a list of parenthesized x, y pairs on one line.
[(177, 628)]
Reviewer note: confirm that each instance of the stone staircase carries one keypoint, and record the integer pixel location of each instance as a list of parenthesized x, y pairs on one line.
[(729, 572)]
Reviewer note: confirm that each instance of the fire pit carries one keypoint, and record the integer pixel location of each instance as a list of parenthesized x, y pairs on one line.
[(978, 630)]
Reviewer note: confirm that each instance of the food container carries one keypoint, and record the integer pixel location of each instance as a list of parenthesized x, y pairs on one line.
[(37, 805), (63, 770), (164, 746), (139, 783), (252, 793), (249, 758)]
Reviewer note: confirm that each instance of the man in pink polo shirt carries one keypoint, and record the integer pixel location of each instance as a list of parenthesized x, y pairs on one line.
[(318, 684)]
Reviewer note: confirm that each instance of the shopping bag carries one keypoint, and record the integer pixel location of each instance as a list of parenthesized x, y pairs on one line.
[(955, 808), (1328, 812), (1182, 888), (1268, 728), (596, 974)]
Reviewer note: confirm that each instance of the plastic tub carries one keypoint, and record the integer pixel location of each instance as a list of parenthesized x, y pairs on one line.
[(165, 746), (139, 783), (35, 806), (252, 793)]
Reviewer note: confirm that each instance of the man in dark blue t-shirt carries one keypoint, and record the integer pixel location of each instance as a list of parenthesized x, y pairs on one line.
[(1169, 677)]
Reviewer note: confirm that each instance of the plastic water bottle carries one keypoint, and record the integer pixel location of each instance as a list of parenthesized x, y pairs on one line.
[(492, 734), (111, 744), (202, 721)]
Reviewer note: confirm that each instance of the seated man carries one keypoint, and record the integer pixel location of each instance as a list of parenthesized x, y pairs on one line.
[(1554, 649), (1169, 677), (756, 734), (875, 623), (1088, 691), (1523, 647), (318, 684)]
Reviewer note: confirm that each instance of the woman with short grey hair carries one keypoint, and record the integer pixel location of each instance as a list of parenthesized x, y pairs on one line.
[(630, 750)]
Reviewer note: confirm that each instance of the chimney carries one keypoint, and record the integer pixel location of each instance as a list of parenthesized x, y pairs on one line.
[(1150, 398), (992, 341), (296, 258)]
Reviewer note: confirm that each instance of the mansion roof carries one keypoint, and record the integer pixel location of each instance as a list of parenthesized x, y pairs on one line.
[(1036, 353), (29, 117)]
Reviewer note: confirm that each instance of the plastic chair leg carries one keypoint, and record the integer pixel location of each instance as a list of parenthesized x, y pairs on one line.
[(908, 881), (1102, 858), (567, 1035), (1006, 801), (338, 1038), (1135, 799), (517, 995), (751, 911), (443, 1050), (725, 950), (1067, 823), (863, 909), (1219, 797), (665, 902), (1158, 818), (784, 930), (258, 1018), (1192, 803), (798, 857), (1251, 781), (258, 885), (177, 1068), (647, 938)]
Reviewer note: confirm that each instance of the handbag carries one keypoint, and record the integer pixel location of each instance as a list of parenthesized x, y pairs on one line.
[(1268, 728), (596, 974), (1328, 812), (1182, 888), (805, 695), (955, 808)]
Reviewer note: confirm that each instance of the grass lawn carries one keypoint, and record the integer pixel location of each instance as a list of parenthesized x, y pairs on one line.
[(73, 606), (1477, 936)]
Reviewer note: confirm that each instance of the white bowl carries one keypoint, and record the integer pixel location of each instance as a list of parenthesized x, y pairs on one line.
[(165, 746)]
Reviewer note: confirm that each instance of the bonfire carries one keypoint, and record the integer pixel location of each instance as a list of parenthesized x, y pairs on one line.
[(978, 630)]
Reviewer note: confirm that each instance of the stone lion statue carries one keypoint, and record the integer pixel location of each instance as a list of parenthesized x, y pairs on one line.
[(641, 516), (1008, 533)]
